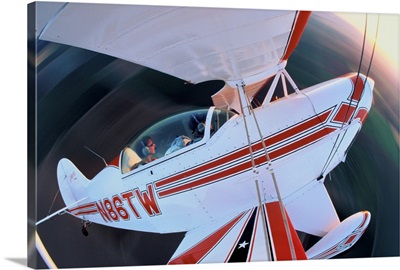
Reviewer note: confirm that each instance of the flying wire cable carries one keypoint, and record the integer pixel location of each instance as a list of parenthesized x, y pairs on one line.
[(358, 72), (54, 199), (373, 48), (242, 92), (370, 63), (334, 149), (282, 209)]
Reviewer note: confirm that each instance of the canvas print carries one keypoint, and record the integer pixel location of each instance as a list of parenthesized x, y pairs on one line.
[(163, 135)]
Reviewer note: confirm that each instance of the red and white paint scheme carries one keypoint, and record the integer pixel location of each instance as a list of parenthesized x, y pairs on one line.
[(256, 176)]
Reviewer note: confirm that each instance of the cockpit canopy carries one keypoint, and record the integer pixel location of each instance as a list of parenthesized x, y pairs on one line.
[(174, 133)]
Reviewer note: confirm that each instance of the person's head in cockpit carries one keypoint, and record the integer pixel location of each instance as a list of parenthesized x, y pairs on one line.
[(197, 124), (148, 149)]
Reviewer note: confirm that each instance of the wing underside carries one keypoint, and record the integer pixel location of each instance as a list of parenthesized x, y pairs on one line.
[(191, 43), (311, 209), (194, 44), (257, 234)]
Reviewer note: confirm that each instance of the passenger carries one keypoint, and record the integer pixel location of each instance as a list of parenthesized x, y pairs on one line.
[(178, 143), (197, 124)]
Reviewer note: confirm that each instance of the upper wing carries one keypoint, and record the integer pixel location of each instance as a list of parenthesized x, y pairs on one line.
[(194, 44)]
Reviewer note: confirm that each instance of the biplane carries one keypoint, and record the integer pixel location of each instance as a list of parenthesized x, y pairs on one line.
[(240, 178)]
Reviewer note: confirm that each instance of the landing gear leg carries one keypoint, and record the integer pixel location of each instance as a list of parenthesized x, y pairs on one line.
[(85, 225)]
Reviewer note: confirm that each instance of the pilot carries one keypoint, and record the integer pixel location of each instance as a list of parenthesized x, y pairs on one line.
[(148, 149)]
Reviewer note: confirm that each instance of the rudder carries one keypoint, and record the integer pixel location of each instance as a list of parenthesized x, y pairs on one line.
[(72, 183)]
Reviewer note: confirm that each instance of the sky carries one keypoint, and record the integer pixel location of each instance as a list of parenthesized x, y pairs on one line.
[(387, 38), (14, 110)]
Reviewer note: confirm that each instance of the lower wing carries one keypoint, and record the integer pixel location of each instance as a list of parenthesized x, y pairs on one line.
[(264, 233), (258, 234)]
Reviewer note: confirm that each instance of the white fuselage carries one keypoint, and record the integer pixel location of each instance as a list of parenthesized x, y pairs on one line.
[(306, 135)]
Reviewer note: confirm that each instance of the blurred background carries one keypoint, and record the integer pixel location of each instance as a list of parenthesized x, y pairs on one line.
[(93, 100)]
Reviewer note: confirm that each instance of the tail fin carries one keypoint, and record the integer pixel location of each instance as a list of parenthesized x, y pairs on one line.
[(72, 183)]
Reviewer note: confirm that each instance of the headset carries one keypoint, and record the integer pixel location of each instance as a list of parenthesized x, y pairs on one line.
[(200, 125)]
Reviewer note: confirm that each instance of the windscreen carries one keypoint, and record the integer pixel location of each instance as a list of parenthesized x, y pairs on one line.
[(176, 132)]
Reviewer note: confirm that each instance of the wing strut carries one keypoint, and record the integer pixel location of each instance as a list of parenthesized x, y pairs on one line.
[(283, 75), (264, 221), (247, 110)]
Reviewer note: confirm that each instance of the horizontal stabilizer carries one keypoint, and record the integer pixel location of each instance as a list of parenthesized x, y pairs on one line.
[(341, 238)]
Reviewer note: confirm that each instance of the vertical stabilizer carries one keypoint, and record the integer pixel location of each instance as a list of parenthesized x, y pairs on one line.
[(72, 183)]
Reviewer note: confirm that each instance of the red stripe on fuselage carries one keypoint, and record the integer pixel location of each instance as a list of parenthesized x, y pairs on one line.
[(206, 180), (248, 164), (300, 143), (88, 212), (293, 131), (82, 207), (203, 168), (274, 139), (344, 113), (86, 209), (358, 84), (362, 114)]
